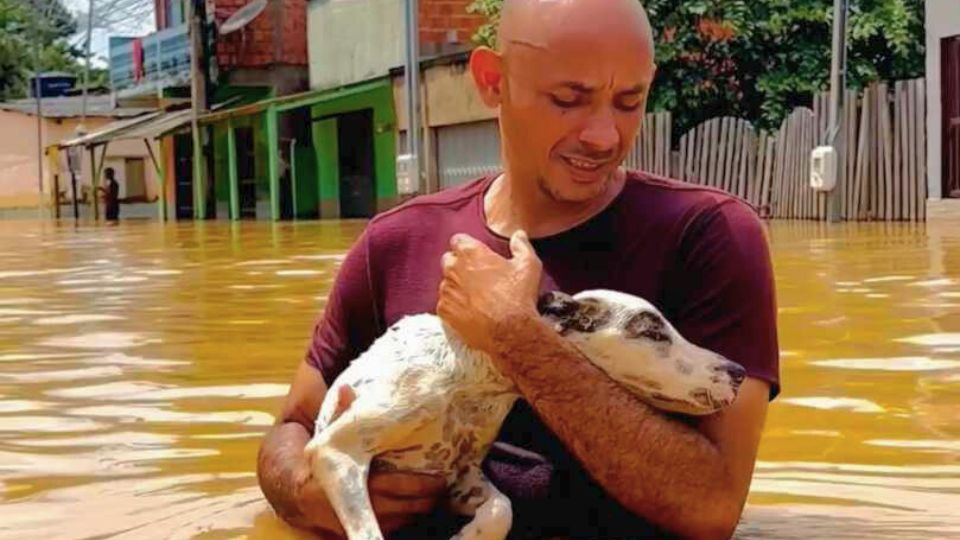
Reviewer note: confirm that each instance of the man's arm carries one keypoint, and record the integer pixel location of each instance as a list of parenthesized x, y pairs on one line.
[(346, 328), (287, 483), (688, 481)]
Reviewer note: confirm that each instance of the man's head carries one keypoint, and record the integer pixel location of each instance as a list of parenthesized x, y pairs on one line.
[(109, 173), (570, 79)]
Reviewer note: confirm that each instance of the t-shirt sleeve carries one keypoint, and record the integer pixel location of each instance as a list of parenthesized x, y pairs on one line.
[(348, 325), (727, 294)]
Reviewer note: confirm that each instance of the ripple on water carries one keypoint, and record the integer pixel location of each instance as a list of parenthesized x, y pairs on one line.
[(938, 446), (933, 340), (97, 440), (77, 319), (48, 424), (98, 372), (136, 413), (100, 340), (299, 273), (836, 403), (902, 363), (148, 391)]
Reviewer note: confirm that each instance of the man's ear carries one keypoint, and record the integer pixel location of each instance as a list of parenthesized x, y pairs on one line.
[(486, 66)]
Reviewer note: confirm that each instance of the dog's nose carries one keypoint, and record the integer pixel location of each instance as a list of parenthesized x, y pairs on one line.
[(735, 371)]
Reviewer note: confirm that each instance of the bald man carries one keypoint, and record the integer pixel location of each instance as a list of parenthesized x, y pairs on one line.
[(578, 456)]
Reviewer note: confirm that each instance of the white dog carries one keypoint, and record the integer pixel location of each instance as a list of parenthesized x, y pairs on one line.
[(425, 403)]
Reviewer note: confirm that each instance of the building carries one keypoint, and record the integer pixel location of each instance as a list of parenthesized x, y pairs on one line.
[(20, 192), (943, 109), (340, 160), (461, 135), (252, 51)]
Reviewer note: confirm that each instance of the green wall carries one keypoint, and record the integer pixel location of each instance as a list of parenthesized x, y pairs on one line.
[(328, 160), (317, 166), (379, 97)]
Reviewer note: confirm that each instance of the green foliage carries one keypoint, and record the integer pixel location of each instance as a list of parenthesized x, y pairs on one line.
[(32, 33), (758, 59)]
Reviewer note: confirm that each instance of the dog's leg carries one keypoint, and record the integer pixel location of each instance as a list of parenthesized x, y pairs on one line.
[(474, 495), (343, 475)]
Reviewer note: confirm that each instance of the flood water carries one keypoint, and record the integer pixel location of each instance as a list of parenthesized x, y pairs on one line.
[(140, 365)]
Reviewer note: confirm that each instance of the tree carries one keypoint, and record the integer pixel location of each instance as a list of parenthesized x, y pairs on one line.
[(758, 59), (33, 35)]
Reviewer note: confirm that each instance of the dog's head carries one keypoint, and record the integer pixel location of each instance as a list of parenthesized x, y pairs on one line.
[(635, 344)]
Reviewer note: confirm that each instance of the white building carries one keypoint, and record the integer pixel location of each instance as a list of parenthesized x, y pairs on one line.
[(943, 107)]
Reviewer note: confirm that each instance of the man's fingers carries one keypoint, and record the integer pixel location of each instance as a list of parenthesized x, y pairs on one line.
[(461, 241), (448, 261), (399, 485), (520, 246)]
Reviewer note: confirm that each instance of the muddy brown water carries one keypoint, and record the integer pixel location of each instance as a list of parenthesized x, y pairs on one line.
[(140, 364)]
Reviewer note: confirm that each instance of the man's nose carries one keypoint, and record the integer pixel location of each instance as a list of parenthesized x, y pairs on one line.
[(600, 133)]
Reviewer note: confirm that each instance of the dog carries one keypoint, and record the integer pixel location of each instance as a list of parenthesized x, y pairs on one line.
[(423, 402)]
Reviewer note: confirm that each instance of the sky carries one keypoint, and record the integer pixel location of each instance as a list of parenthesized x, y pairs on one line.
[(100, 37)]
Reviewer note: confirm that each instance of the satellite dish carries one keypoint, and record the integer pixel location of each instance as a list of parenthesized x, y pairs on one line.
[(243, 16)]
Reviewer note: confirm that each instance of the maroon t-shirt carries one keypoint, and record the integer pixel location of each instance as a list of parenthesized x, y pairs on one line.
[(699, 254)]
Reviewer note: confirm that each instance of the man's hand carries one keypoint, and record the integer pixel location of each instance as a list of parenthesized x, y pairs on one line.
[(481, 290), (398, 499), (286, 480)]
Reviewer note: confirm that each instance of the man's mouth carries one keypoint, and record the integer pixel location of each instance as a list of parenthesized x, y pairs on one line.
[(584, 164)]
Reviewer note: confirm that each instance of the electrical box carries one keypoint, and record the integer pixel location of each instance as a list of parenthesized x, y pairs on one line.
[(408, 174), (823, 168)]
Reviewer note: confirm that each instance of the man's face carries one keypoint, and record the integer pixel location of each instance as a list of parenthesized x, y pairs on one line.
[(571, 109)]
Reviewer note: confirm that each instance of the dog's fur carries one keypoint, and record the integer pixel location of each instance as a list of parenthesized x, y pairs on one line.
[(425, 403)]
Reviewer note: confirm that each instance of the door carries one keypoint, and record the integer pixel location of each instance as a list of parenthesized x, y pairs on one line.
[(357, 181), (135, 183), (183, 172), (246, 172), (466, 152), (950, 92)]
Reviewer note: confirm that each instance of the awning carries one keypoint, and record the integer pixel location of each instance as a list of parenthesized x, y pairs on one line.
[(149, 126), (108, 132), (296, 101)]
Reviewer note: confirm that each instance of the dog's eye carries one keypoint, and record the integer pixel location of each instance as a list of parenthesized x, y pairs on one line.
[(646, 325)]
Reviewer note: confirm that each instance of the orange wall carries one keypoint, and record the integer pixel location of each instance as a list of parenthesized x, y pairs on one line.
[(18, 158)]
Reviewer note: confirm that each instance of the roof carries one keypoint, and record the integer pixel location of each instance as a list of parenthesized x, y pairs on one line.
[(111, 131), (72, 107), (149, 126), (295, 101)]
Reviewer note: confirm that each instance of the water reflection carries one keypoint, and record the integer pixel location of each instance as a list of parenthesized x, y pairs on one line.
[(140, 364)]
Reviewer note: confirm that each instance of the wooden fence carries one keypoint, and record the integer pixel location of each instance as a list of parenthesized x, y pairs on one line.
[(882, 156)]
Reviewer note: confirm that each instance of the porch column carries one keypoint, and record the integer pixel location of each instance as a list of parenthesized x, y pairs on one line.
[(232, 172), (273, 166)]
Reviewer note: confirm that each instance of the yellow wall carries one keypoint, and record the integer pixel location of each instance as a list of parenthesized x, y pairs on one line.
[(18, 158), (449, 94)]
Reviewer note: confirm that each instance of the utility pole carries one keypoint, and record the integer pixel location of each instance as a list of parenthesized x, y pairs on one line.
[(412, 70), (198, 103), (86, 70), (38, 94), (838, 86)]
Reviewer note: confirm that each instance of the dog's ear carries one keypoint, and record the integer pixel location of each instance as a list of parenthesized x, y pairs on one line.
[(560, 309)]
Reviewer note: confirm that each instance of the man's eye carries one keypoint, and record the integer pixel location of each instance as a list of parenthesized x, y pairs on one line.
[(566, 103), (629, 105)]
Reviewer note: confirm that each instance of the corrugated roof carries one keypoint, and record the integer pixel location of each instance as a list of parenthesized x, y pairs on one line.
[(72, 107)]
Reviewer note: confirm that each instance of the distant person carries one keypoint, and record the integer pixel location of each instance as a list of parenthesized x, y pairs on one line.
[(111, 195)]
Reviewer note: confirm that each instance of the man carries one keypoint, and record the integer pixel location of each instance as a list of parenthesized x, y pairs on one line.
[(578, 456), (111, 196)]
